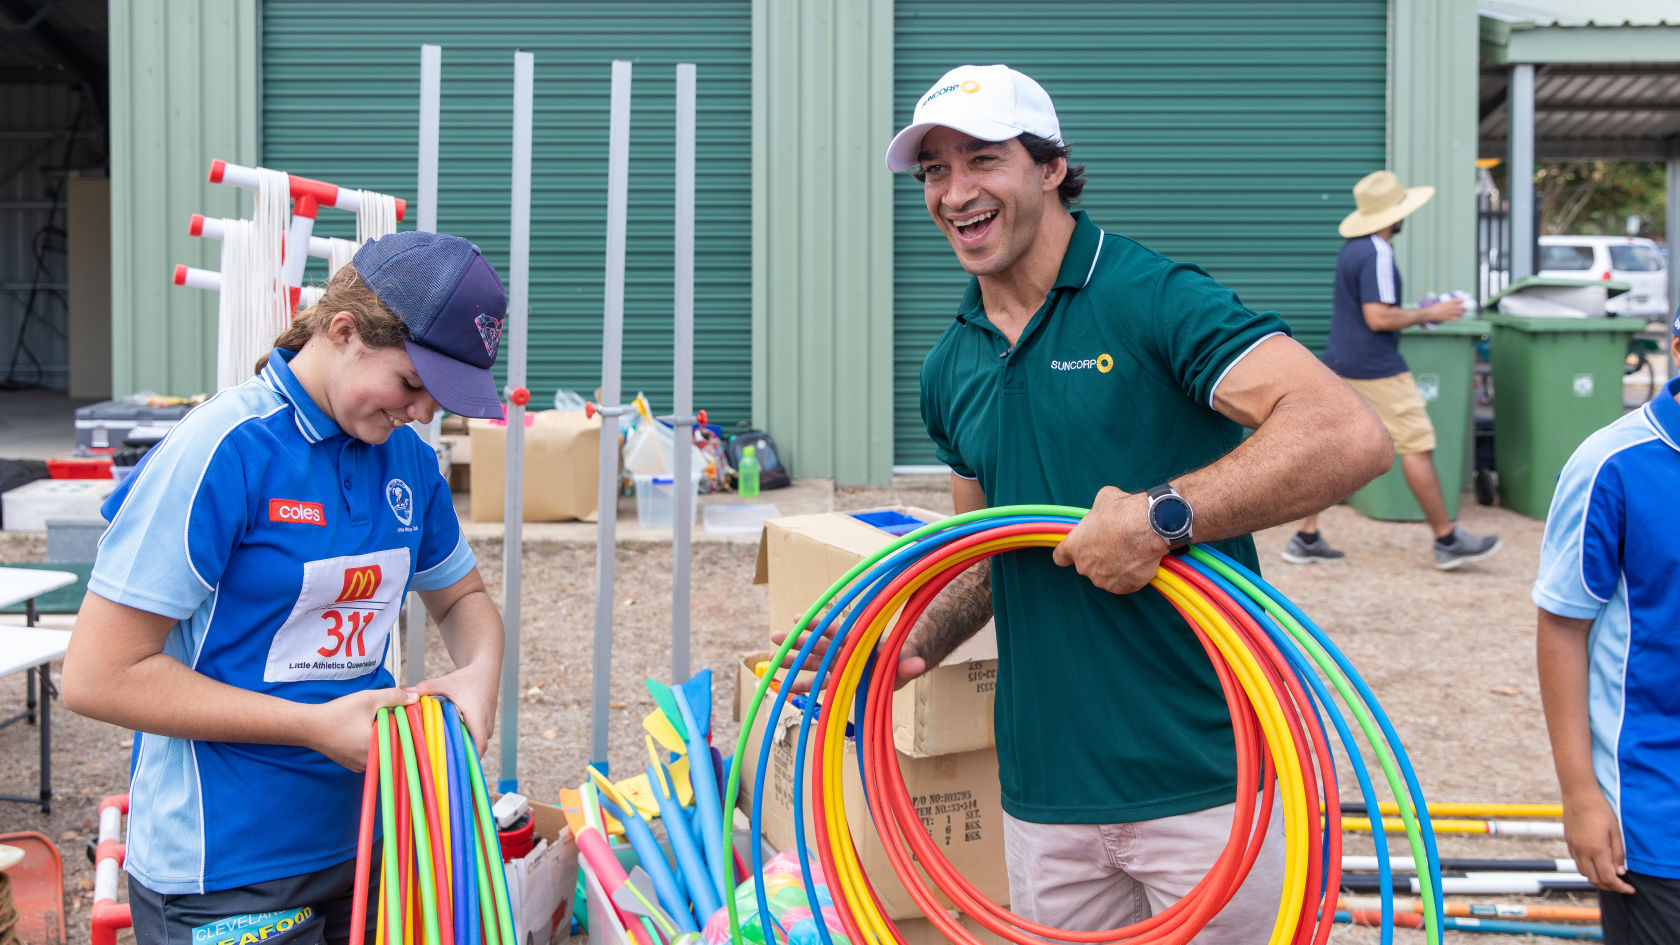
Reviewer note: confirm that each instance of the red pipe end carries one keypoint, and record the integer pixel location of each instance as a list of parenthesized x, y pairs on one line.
[(520, 396), (119, 801), (180, 274), (701, 416), (402, 208), (218, 167), (196, 227), (306, 206), (589, 409)]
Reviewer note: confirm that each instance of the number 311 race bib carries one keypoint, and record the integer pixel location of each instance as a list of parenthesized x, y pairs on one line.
[(342, 618)]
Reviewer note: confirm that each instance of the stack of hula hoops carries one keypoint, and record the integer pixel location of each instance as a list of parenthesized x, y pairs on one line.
[(1277, 671), (441, 877)]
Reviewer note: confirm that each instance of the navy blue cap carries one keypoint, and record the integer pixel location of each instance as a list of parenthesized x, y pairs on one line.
[(453, 303)]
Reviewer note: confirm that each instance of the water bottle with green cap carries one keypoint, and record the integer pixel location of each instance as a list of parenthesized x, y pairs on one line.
[(747, 475)]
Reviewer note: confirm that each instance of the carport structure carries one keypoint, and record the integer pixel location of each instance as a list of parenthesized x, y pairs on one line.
[(1560, 83)]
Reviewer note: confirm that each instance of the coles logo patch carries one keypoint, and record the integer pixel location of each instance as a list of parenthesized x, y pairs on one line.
[(296, 512)]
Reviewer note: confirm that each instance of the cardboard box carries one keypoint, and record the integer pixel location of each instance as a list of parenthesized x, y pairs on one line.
[(946, 710), (544, 881), (562, 457), (957, 796)]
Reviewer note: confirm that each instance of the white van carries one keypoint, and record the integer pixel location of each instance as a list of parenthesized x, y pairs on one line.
[(1631, 259)]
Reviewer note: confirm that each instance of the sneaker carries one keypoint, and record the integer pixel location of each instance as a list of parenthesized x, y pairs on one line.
[(1461, 546), (1301, 551)]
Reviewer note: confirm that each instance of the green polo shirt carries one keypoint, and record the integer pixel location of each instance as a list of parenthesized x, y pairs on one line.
[(1108, 710)]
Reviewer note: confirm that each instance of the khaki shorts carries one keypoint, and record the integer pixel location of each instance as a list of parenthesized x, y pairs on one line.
[(1400, 407), (1093, 877)]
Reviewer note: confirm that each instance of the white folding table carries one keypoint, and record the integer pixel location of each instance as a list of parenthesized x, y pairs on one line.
[(33, 649)]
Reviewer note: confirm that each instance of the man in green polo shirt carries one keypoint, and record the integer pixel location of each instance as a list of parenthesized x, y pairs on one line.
[(1085, 369)]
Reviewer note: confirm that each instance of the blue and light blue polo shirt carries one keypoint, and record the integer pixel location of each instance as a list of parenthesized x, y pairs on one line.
[(1365, 272), (283, 547), (1610, 556)]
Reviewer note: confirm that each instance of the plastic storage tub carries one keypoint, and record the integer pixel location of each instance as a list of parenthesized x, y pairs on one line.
[(656, 500), (107, 424)]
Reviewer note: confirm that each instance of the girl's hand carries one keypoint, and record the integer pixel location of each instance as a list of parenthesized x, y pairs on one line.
[(344, 726), (474, 695)]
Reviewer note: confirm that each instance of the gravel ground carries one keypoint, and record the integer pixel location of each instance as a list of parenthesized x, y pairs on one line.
[(1450, 655)]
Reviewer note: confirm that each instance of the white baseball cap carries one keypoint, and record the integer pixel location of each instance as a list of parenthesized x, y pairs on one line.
[(992, 103)]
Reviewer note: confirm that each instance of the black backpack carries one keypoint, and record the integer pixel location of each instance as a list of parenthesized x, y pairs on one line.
[(772, 472)]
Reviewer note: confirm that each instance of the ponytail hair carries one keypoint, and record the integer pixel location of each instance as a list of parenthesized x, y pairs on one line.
[(346, 292)]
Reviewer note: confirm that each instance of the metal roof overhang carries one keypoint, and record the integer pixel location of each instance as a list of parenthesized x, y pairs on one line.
[(1602, 90)]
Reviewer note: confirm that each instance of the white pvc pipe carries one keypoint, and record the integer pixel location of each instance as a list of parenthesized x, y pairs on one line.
[(431, 71), (513, 517), (431, 82), (1405, 864), (298, 237), (325, 194), (194, 278), (212, 228), (683, 386), (612, 350)]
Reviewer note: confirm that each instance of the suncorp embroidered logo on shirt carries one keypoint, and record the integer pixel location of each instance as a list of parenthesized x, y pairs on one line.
[(1102, 362)]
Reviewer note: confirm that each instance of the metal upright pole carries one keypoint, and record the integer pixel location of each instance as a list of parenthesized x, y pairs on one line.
[(431, 74), (683, 388), (1521, 135), (612, 350), (519, 274)]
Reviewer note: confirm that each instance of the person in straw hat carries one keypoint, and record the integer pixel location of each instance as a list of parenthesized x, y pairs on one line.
[(1364, 348)]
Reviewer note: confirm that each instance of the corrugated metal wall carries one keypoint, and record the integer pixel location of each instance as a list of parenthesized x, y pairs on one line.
[(1434, 140), (340, 103), (43, 130), (1222, 132), (822, 224), (183, 91)]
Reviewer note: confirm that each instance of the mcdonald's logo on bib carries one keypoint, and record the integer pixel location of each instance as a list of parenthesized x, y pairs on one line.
[(360, 583)]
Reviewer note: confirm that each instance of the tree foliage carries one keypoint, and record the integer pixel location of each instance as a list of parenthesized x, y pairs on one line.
[(1597, 197)]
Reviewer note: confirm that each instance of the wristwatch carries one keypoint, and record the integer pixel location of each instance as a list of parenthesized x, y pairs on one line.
[(1170, 516)]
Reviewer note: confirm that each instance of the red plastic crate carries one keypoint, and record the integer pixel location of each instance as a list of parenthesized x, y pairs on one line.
[(91, 465)]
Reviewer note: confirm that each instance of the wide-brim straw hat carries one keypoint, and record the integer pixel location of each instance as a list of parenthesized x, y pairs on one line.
[(1382, 202)]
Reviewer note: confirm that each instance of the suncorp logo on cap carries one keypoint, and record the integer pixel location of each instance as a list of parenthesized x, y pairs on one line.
[(970, 87)]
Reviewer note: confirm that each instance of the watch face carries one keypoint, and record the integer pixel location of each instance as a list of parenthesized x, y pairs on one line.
[(1170, 516)]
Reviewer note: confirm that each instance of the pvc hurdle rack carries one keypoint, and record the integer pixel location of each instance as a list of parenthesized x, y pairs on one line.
[(109, 915)]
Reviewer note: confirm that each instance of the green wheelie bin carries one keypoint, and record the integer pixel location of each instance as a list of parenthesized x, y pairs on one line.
[(1441, 359), (1556, 379)]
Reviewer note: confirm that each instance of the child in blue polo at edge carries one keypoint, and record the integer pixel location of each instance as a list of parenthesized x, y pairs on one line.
[(1609, 657), (240, 608)]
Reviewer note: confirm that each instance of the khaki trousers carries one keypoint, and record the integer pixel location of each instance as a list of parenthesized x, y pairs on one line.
[(1091, 877)]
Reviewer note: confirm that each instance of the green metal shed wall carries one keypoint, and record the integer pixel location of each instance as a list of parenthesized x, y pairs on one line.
[(1224, 132), (340, 103), (183, 77)]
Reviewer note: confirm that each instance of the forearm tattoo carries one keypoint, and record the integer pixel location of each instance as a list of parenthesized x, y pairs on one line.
[(955, 615)]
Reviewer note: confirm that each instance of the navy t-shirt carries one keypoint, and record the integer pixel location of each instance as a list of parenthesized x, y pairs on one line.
[(1365, 272)]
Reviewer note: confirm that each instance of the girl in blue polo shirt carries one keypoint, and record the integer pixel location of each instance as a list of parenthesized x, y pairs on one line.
[(241, 606)]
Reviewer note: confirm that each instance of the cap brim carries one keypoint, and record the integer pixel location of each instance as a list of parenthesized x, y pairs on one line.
[(1359, 223), (906, 146), (458, 387)]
